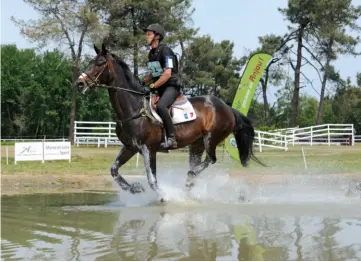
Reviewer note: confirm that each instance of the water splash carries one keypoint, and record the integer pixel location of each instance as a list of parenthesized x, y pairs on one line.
[(215, 185)]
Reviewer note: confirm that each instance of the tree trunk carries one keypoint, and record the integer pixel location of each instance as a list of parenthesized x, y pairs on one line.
[(73, 103), (135, 46), (324, 81), (265, 100), (181, 61), (296, 91)]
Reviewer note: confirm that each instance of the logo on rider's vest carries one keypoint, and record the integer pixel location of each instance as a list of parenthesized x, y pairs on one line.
[(191, 114), (185, 115), (232, 141)]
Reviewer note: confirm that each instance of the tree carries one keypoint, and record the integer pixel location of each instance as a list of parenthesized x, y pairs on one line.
[(128, 17), (35, 91), (210, 68), (347, 104), (65, 22), (308, 111), (334, 19), (283, 108), (273, 74), (300, 13), (358, 79), (16, 76)]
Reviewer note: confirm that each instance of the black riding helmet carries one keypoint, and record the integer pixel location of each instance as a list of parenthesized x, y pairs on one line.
[(156, 28)]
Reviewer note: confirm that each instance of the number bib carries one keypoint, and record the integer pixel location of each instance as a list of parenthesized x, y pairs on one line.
[(155, 68)]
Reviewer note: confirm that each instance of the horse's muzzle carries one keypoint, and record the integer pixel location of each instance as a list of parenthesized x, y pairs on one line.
[(81, 84)]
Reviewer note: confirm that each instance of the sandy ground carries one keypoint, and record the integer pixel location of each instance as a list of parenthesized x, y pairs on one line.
[(27, 184)]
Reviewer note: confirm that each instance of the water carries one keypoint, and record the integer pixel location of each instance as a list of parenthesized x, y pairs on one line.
[(298, 219)]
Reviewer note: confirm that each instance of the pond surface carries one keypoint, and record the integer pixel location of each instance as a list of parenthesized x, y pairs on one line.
[(104, 226)]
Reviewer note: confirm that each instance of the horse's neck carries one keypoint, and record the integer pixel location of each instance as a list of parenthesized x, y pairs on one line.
[(126, 104)]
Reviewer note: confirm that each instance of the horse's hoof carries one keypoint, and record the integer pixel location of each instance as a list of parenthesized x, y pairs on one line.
[(189, 185), (136, 187), (191, 174)]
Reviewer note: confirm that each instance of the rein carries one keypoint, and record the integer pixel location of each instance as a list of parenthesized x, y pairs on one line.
[(121, 89), (142, 112)]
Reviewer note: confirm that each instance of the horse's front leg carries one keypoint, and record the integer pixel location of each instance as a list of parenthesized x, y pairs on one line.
[(150, 164), (123, 156)]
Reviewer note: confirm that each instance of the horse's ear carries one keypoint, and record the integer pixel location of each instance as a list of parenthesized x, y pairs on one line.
[(96, 49), (104, 50)]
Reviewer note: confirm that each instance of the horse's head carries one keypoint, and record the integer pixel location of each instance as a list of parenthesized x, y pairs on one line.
[(100, 71)]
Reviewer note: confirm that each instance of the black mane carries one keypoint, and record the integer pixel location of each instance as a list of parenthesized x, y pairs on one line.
[(132, 79)]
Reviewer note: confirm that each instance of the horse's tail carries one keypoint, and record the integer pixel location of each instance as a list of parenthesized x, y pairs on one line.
[(244, 135)]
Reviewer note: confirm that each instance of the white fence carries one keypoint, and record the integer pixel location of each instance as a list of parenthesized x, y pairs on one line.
[(327, 134), (95, 133), (103, 134), (272, 140), (357, 139)]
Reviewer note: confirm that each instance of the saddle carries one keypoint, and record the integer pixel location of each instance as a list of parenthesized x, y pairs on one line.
[(180, 111), (181, 98)]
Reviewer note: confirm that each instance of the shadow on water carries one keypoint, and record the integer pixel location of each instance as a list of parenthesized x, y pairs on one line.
[(98, 226)]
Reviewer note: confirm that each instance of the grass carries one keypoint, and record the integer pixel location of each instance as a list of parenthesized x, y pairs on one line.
[(96, 161)]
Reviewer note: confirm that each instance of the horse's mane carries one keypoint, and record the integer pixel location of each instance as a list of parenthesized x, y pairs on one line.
[(132, 79)]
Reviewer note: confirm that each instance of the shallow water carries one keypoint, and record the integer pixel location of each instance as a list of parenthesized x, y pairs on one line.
[(298, 219)]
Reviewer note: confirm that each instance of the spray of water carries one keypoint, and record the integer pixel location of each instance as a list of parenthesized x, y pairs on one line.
[(215, 185)]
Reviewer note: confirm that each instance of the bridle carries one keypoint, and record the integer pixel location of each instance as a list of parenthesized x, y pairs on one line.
[(95, 82)]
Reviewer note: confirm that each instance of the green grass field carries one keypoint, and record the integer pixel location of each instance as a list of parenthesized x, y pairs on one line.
[(95, 161)]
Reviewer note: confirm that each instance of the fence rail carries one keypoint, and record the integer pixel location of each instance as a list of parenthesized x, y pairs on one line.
[(327, 134), (357, 138), (95, 133)]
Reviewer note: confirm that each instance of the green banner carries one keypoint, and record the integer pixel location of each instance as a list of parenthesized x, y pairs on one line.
[(246, 89)]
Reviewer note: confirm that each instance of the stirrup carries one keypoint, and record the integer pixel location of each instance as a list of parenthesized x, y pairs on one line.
[(169, 143)]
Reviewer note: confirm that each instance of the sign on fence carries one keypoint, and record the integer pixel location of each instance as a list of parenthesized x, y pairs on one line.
[(41, 151), (29, 151)]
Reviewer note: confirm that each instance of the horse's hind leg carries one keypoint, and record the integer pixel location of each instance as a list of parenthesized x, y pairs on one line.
[(197, 149), (195, 161)]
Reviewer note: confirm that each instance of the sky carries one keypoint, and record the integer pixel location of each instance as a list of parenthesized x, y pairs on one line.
[(240, 21)]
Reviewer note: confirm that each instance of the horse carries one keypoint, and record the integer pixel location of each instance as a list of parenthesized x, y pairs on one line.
[(201, 122)]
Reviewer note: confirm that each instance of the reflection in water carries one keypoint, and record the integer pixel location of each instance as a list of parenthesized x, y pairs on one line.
[(67, 227)]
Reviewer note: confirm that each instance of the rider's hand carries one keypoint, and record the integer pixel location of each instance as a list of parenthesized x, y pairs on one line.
[(146, 89)]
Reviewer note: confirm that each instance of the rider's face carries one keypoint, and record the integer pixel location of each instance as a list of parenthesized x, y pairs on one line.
[(149, 37)]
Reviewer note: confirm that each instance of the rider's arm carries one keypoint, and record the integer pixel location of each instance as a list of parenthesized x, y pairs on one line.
[(167, 62), (167, 72)]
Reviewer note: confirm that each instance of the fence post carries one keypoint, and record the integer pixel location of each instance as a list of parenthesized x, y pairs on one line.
[(75, 130), (293, 137), (286, 143), (311, 135), (328, 134), (259, 142)]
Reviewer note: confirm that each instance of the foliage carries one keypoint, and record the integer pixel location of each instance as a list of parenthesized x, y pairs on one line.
[(37, 98), (211, 68)]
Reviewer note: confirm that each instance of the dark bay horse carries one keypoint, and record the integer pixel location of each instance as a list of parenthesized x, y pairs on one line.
[(140, 131)]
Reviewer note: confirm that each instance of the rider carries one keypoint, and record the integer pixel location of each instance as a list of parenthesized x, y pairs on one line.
[(163, 65)]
